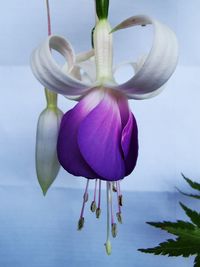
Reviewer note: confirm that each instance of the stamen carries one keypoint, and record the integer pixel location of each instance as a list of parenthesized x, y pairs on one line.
[(119, 195), (93, 204), (108, 243), (113, 224), (119, 213), (114, 187), (85, 199), (98, 210)]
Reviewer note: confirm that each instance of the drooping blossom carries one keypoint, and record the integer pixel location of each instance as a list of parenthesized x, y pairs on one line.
[(98, 138)]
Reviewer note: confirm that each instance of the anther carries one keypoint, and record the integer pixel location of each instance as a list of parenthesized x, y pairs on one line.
[(114, 188), (98, 210), (93, 204), (80, 223), (98, 213), (119, 217), (85, 198), (114, 229), (119, 199), (119, 194)]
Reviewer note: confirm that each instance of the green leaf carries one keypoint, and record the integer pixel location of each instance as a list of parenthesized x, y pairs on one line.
[(187, 242), (177, 225), (193, 215), (197, 261), (182, 229), (192, 184), (178, 247), (187, 194)]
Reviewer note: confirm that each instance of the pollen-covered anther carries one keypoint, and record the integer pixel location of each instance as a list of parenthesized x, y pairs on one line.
[(114, 188), (114, 230), (93, 206), (81, 223), (98, 210), (119, 217), (120, 200), (85, 198), (98, 213)]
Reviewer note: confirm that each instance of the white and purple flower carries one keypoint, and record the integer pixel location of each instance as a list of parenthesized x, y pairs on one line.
[(98, 138)]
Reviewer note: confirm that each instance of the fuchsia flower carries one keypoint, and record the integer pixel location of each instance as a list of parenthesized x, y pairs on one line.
[(98, 138)]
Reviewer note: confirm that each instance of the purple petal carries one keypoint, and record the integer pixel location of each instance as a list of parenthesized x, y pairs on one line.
[(99, 140), (130, 144), (67, 147), (124, 109), (129, 137)]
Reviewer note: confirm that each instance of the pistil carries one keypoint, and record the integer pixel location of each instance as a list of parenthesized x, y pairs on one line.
[(108, 243)]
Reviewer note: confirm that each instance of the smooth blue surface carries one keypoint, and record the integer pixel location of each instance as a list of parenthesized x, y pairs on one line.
[(41, 232)]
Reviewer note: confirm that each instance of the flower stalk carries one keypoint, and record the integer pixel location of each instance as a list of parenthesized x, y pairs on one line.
[(103, 50)]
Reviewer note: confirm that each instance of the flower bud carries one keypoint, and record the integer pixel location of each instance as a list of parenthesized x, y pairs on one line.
[(47, 165)]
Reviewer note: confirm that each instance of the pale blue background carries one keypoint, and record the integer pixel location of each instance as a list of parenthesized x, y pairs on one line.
[(42, 232)]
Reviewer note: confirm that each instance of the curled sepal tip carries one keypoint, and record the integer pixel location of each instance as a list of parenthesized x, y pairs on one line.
[(102, 7), (47, 165), (108, 247)]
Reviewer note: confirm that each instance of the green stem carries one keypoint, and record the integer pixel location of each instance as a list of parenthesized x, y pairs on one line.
[(102, 7)]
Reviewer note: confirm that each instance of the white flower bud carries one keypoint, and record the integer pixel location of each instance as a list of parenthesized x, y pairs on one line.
[(47, 165)]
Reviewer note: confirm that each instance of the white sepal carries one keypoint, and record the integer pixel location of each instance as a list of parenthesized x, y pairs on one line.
[(48, 71), (136, 66), (47, 165), (159, 64)]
